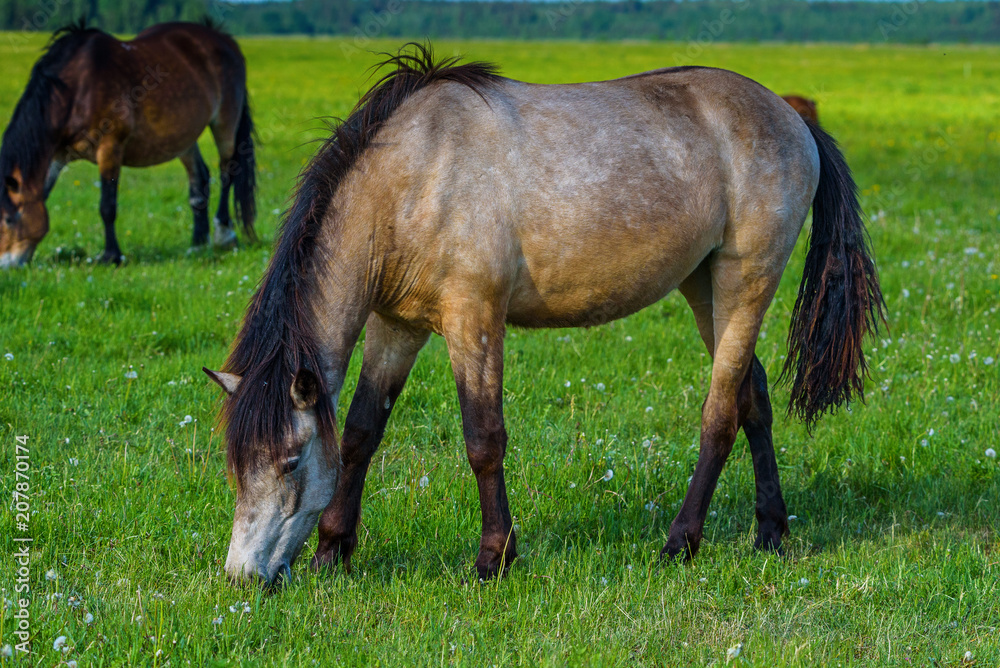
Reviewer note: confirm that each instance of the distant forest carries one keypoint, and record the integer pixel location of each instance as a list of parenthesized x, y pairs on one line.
[(914, 21)]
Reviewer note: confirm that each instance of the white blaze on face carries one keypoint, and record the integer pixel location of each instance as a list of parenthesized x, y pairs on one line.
[(276, 511)]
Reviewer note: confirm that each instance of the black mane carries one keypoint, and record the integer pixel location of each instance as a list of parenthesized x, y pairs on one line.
[(29, 138), (277, 337)]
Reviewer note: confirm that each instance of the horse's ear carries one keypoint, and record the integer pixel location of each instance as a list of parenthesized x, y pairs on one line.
[(226, 381), (305, 389)]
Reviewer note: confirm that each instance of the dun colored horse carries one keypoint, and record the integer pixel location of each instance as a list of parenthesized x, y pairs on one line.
[(136, 103), (455, 201)]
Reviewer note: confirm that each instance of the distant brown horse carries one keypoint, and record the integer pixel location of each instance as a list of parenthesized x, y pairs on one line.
[(136, 103), (454, 201), (805, 106)]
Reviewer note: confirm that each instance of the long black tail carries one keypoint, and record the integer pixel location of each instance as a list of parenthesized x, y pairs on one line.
[(839, 302), (245, 173)]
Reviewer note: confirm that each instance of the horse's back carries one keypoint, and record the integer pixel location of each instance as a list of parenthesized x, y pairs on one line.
[(587, 202), (159, 90)]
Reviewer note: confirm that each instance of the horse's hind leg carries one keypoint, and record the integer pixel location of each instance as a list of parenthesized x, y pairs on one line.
[(753, 414), (198, 193), (390, 350), (474, 331), (224, 235), (741, 290)]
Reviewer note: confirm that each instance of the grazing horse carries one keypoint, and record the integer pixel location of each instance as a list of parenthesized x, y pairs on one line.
[(805, 106), (455, 201), (136, 103)]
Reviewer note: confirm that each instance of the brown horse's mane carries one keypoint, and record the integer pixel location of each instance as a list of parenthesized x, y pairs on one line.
[(277, 337), (30, 136)]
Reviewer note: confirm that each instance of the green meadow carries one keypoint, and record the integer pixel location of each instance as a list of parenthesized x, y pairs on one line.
[(894, 552)]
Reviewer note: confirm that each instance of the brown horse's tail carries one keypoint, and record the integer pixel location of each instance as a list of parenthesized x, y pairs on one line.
[(245, 173), (839, 301)]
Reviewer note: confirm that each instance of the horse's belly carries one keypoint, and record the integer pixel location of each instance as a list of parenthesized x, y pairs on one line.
[(581, 294)]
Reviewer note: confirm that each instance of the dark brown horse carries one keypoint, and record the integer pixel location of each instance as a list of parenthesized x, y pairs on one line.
[(454, 201), (804, 105), (136, 103)]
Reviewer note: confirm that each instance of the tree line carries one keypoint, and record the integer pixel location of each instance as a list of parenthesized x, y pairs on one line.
[(910, 21)]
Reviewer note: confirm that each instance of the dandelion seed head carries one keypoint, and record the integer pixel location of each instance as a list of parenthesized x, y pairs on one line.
[(59, 643), (608, 475), (991, 453), (424, 481)]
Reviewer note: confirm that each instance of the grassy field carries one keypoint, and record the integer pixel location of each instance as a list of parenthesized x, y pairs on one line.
[(894, 556)]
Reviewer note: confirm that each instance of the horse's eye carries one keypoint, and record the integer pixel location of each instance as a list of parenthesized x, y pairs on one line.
[(290, 465)]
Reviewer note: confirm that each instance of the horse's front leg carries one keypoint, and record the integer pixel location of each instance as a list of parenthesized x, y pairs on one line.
[(390, 350), (475, 345), (109, 164)]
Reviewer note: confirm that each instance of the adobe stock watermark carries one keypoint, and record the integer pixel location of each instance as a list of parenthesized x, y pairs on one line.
[(372, 28), (915, 167), (900, 16), (38, 18), (710, 32), (21, 504)]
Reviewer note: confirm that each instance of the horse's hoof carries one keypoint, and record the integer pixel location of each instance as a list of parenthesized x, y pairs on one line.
[(111, 258), (680, 546), (224, 238)]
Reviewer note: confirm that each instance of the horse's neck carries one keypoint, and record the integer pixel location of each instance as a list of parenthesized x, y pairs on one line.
[(342, 297)]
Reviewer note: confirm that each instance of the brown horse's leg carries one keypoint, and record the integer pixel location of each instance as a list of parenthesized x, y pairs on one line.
[(754, 416), (198, 193), (390, 350), (109, 165), (224, 234), (740, 294), (475, 345)]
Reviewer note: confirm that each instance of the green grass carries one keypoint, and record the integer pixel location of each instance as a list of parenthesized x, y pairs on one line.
[(894, 557)]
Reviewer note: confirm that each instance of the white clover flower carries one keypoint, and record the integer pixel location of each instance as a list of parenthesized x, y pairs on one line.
[(734, 652), (600, 387), (967, 657), (59, 643), (51, 575), (804, 582), (9, 357), (567, 383), (88, 618), (71, 664), (608, 475), (424, 481), (572, 485)]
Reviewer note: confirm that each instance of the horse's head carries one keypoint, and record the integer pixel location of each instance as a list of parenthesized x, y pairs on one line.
[(279, 498), (25, 220)]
